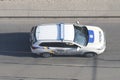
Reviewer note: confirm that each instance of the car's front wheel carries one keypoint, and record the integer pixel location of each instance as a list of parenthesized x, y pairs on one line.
[(90, 54), (46, 55)]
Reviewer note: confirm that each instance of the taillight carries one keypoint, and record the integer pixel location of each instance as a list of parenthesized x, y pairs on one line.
[(33, 47)]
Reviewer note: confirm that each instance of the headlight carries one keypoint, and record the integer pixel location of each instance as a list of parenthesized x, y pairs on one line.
[(100, 48)]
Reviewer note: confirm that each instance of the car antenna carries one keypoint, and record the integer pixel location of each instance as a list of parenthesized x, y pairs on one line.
[(76, 23)]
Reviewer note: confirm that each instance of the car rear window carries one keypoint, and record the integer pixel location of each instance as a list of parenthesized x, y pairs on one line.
[(58, 44), (33, 34)]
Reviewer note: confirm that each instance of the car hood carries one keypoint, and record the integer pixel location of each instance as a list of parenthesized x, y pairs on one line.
[(96, 37)]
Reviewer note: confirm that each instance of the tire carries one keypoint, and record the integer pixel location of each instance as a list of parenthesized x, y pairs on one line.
[(46, 55), (90, 54)]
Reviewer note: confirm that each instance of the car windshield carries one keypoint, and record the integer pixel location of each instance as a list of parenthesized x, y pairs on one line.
[(81, 35)]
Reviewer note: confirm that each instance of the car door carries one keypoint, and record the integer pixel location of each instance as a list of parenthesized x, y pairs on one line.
[(66, 48), (71, 48), (62, 48)]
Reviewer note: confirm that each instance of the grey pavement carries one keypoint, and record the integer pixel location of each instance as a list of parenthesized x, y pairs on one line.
[(52, 8)]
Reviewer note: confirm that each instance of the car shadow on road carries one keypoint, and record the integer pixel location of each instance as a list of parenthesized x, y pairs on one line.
[(18, 45), (15, 44)]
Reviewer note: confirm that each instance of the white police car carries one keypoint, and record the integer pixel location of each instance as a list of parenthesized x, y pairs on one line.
[(67, 39)]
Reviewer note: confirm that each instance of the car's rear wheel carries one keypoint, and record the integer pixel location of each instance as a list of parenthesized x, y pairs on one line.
[(90, 54), (46, 55)]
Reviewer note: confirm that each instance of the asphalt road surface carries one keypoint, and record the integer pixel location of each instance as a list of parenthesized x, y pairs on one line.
[(17, 62)]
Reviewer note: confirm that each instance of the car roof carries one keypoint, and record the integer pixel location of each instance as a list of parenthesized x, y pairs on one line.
[(55, 32)]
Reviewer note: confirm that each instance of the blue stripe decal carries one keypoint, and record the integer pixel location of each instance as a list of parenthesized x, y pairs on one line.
[(91, 36), (58, 32), (62, 32), (60, 35)]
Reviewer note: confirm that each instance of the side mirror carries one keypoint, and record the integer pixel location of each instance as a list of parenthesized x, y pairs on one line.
[(78, 48)]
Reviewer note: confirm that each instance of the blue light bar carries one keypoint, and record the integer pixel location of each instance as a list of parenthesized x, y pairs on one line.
[(61, 31)]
